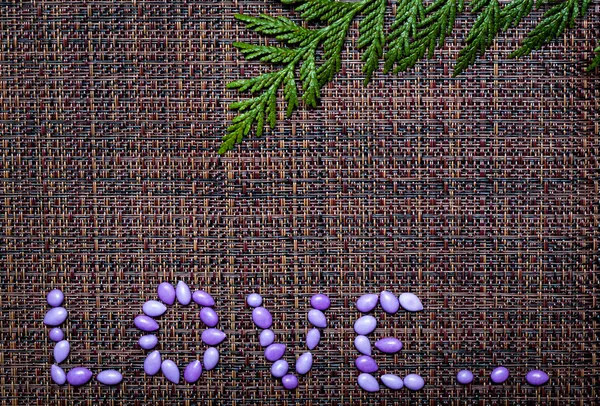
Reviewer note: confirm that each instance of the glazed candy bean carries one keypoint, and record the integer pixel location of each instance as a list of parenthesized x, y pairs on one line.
[(254, 300), (317, 318), (365, 325), (363, 345), (209, 317), (364, 363), (274, 352), (79, 376), (55, 316), (212, 336), (170, 371), (266, 337), (279, 368), (368, 382), (367, 302), (312, 338), (148, 342), (203, 298), (410, 302), (152, 363), (464, 377), (289, 382), (61, 351), (262, 317), (499, 375), (145, 323), (154, 308), (320, 301), (110, 377), (392, 381), (56, 334), (211, 358), (389, 345), (183, 293), (414, 382), (536, 377), (55, 298), (166, 293), (193, 371), (58, 375), (304, 363), (389, 302)]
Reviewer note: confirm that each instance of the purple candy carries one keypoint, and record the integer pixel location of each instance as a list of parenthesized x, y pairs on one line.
[(145, 323), (61, 351), (266, 337), (499, 375), (289, 382), (170, 371), (212, 336), (414, 382), (58, 375), (317, 318), (55, 316), (79, 376), (203, 298), (464, 377), (56, 334), (274, 351), (363, 344), (148, 342), (209, 316), (211, 358), (184, 296), (367, 302), (364, 363), (304, 363), (320, 301), (410, 302), (312, 338), (368, 382), (365, 325), (389, 345), (262, 317), (55, 298), (166, 293), (254, 300), (392, 381), (389, 302), (537, 377), (152, 363), (192, 372), (279, 368), (109, 377), (154, 308)]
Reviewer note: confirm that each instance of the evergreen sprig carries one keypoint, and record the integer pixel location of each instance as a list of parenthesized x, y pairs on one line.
[(307, 57)]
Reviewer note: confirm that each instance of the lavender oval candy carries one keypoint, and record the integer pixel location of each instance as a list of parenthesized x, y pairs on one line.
[(145, 323), (55, 297), (274, 351), (304, 363), (414, 382), (363, 344), (170, 370), (536, 377), (279, 368), (203, 298), (166, 293), (312, 338), (55, 316), (367, 302), (183, 293), (364, 363), (209, 316), (464, 377), (193, 371), (410, 302), (212, 336), (289, 382), (61, 351), (58, 375), (254, 300), (56, 334), (152, 363), (262, 317), (499, 374), (393, 382), (389, 302), (154, 308), (109, 377), (148, 342), (389, 345), (211, 358), (79, 376), (365, 325), (368, 382), (266, 337), (317, 318), (320, 301)]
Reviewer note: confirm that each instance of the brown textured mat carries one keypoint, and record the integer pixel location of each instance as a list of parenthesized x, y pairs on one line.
[(479, 193)]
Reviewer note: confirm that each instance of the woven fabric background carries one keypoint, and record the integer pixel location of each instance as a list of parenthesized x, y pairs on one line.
[(478, 193)]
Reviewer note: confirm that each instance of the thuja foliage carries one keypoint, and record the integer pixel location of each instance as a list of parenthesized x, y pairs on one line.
[(308, 55)]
